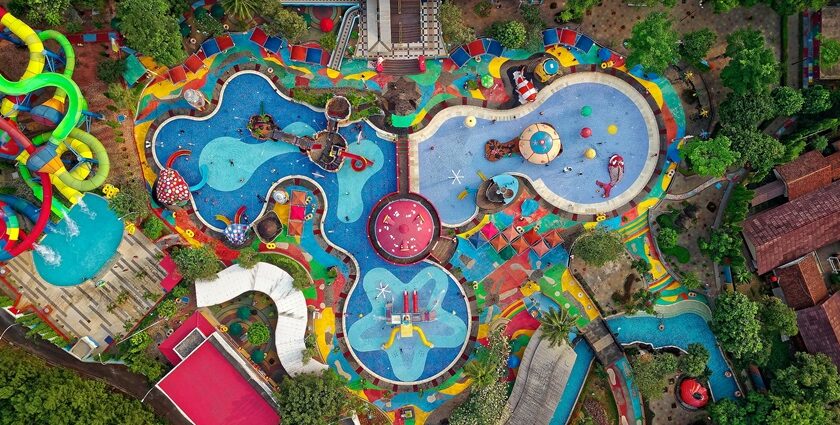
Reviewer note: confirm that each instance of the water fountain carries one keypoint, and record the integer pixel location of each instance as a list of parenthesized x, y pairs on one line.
[(85, 209), (49, 255), (72, 227)]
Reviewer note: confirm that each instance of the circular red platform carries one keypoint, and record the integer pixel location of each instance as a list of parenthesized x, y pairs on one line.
[(403, 228)]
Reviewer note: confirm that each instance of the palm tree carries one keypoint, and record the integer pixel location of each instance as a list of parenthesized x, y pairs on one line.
[(242, 9), (556, 325), (483, 373)]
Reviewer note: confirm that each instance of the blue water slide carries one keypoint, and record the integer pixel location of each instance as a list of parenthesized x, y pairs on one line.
[(24, 207)]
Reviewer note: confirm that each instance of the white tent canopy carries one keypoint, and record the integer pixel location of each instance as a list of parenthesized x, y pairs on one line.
[(290, 303)]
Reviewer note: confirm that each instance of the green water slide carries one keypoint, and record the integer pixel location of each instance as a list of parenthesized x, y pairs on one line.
[(61, 82)]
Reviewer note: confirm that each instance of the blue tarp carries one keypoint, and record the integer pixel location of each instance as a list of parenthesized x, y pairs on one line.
[(273, 44), (313, 55), (493, 48), (210, 47), (584, 43), (550, 37), (460, 57)]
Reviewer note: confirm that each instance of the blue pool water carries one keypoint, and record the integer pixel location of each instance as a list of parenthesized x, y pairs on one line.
[(83, 255), (408, 359), (583, 361), (461, 149), (350, 197), (680, 331)]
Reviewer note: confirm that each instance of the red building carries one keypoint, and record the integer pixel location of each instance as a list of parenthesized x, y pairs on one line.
[(802, 282), (819, 328)]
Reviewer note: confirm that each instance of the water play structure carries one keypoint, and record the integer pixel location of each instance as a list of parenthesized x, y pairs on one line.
[(41, 158)]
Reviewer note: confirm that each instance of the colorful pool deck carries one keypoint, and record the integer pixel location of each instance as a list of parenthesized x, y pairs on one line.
[(501, 265)]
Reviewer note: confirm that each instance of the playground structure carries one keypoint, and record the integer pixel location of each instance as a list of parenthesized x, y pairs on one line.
[(403, 324), (40, 159), (539, 144)]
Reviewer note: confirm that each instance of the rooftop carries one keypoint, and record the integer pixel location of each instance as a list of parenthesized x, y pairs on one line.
[(802, 283), (212, 387), (807, 164), (195, 322), (819, 327)]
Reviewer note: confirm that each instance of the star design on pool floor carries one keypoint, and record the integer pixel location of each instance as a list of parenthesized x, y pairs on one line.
[(407, 357), (456, 177)]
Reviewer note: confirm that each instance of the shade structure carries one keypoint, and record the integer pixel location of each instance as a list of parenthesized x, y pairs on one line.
[(243, 313), (539, 143), (257, 356), (487, 81)]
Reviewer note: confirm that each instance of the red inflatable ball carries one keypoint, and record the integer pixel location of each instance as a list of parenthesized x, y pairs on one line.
[(327, 25), (585, 132)]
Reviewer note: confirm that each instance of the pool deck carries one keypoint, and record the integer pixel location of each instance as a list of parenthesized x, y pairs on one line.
[(81, 310)]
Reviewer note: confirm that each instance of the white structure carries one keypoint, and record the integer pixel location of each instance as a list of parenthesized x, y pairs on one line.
[(290, 303)]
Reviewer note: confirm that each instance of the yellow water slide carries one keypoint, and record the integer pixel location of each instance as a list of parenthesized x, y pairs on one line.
[(36, 54)]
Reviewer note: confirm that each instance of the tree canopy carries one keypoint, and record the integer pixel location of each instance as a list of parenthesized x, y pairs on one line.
[(258, 333), (752, 66), (758, 150), (131, 203), (313, 399), (746, 110), (735, 324), (455, 31), (788, 101), (196, 263), (556, 325), (650, 373), (710, 157), (809, 378), (829, 52), (667, 238), (598, 247), (31, 392), (693, 362), (696, 44), (790, 7), (690, 281), (284, 22), (486, 403), (778, 317), (817, 99), (241, 9), (149, 28), (653, 43), (511, 34)]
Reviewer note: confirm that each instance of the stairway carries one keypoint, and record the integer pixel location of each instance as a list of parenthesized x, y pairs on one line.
[(401, 67)]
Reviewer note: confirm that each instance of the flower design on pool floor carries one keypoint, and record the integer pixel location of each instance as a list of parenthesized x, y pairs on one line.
[(413, 336)]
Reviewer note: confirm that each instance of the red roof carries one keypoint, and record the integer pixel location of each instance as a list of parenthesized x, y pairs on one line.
[(802, 283), (259, 36), (819, 327), (693, 393), (177, 74), (210, 390), (225, 42), (791, 230), (805, 174), (194, 63), (197, 320), (404, 228), (172, 276)]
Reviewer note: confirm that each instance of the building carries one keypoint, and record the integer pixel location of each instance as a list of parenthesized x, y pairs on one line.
[(791, 230), (807, 173), (211, 383), (802, 282), (819, 328), (400, 29)]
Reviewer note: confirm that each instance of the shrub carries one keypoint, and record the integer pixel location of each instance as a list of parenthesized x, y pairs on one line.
[(167, 309), (483, 8), (153, 227), (598, 247), (510, 34), (196, 263), (455, 31), (110, 71), (258, 334)]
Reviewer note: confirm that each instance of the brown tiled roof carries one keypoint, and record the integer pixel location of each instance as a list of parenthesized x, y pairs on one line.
[(802, 283), (793, 229), (819, 327), (807, 164)]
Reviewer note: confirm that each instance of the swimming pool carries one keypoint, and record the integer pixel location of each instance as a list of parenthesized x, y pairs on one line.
[(81, 244), (569, 180), (679, 331)]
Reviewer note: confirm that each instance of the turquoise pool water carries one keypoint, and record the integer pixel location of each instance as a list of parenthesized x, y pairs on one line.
[(77, 256), (679, 331)]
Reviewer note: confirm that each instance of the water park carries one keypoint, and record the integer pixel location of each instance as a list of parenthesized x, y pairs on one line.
[(445, 230)]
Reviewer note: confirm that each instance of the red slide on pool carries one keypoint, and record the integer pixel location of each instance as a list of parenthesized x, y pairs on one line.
[(44, 216)]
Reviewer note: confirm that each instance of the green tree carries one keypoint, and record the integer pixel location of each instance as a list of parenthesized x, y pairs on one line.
[(789, 412), (710, 157), (723, 243), (284, 22), (727, 412), (328, 41), (510, 34), (241, 9), (598, 246), (110, 71), (196, 263), (258, 333), (455, 31), (167, 308), (722, 6), (758, 151), (667, 238), (482, 373), (690, 281), (790, 7), (125, 98), (556, 325), (819, 143), (207, 24), (153, 227), (752, 68), (696, 44), (693, 362), (746, 110), (776, 316), (131, 203), (248, 258), (486, 402), (788, 101), (32, 392), (829, 52), (149, 28), (313, 399), (650, 373), (817, 99), (735, 324), (483, 8), (50, 12), (809, 378), (653, 43)]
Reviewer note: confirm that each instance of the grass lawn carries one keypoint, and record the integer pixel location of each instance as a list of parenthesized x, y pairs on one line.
[(681, 254)]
